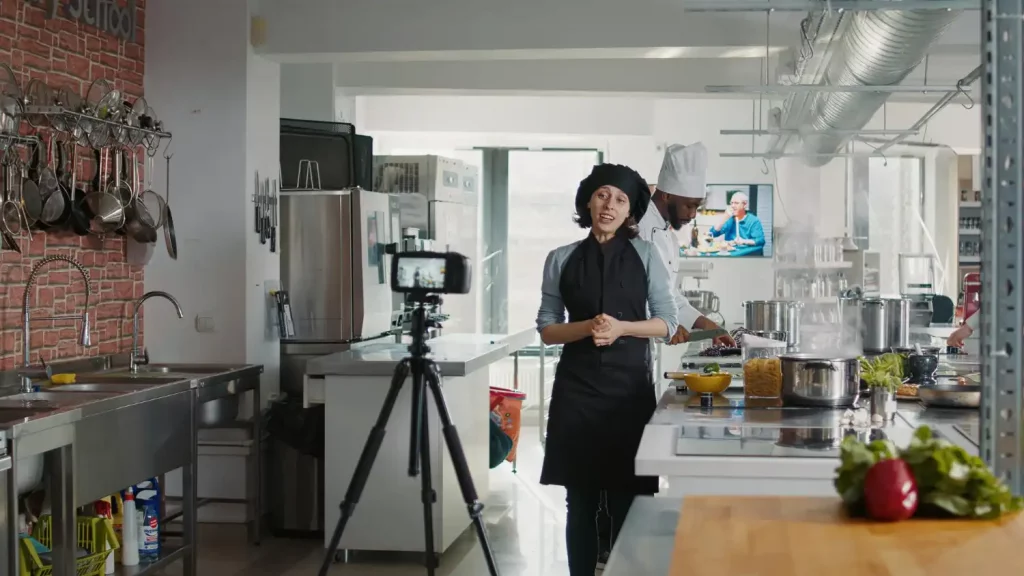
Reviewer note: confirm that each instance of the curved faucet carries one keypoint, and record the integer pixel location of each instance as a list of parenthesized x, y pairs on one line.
[(135, 358), (26, 381)]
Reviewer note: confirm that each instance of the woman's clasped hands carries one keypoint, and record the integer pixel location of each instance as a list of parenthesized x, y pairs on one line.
[(606, 330)]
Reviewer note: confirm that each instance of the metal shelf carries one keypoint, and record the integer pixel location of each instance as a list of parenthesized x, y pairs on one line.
[(1002, 299), (58, 111)]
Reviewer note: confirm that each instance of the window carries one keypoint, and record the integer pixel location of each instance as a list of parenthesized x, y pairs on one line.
[(896, 205), (541, 192)]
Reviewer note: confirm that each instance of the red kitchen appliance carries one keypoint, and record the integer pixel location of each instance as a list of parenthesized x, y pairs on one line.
[(970, 296)]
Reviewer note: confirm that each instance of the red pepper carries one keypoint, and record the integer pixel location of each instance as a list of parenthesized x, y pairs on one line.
[(890, 491)]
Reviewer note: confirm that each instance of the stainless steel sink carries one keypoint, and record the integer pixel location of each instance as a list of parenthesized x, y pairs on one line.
[(109, 387), (12, 414), (62, 400), (129, 378), (185, 368)]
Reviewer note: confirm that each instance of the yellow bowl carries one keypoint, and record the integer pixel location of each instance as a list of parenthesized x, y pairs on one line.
[(707, 383)]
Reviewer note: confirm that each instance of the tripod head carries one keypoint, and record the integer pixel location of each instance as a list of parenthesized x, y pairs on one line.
[(420, 301)]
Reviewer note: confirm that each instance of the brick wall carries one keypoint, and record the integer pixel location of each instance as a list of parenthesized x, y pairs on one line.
[(65, 53)]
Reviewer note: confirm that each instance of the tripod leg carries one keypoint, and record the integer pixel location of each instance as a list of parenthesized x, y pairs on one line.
[(419, 401), (427, 495), (451, 438), (365, 464)]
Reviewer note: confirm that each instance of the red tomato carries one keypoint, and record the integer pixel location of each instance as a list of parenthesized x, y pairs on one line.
[(890, 491)]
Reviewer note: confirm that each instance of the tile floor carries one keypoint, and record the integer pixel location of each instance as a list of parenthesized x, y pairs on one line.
[(525, 521)]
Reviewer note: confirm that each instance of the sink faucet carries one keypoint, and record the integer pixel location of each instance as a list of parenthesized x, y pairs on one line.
[(26, 380), (141, 357)]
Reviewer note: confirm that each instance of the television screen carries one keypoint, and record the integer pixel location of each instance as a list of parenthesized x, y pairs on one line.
[(735, 221)]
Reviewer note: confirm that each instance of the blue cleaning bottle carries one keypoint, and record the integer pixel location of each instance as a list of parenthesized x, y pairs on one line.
[(148, 500)]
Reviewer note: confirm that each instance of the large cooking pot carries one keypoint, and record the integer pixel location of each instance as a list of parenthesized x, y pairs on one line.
[(874, 326), (897, 312), (811, 380), (774, 316), (885, 324)]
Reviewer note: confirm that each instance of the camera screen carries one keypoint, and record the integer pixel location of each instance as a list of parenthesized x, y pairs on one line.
[(421, 273)]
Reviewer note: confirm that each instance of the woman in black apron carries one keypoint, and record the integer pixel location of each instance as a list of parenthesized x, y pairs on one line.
[(617, 292)]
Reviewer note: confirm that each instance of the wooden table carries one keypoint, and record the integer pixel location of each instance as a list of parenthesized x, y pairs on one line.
[(796, 536)]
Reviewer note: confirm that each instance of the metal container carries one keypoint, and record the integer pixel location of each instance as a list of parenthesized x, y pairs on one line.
[(874, 325), (30, 473), (897, 316), (883, 403), (951, 395), (774, 316), (218, 412), (296, 490), (703, 300), (810, 380)]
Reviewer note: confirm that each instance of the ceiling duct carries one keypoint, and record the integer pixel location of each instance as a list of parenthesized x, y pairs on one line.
[(879, 48)]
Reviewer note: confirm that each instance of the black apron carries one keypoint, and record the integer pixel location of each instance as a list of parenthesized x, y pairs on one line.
[(602, 397)]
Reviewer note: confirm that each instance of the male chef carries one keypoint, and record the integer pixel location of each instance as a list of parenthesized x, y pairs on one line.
[(675, 200)]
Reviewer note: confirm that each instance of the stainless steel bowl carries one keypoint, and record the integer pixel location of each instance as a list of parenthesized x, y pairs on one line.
[(950, 395), (218, 412), (810, 380)]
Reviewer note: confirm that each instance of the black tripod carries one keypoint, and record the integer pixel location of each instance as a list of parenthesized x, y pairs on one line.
[(425, 374)]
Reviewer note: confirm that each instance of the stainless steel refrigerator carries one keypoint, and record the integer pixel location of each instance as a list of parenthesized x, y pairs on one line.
[(335, 271)]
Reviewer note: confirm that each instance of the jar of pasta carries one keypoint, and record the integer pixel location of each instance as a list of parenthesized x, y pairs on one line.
[(762, 368)]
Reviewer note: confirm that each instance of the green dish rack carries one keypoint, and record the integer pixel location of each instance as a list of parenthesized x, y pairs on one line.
[(95, 535)]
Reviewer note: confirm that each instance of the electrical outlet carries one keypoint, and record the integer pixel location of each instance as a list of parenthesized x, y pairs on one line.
[(204, 324)]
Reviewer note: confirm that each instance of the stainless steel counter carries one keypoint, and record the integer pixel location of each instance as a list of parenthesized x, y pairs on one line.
[(455, 355), (109, 412), (647, 539)]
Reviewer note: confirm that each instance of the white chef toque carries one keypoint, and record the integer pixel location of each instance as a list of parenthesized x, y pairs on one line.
[(684, 170)]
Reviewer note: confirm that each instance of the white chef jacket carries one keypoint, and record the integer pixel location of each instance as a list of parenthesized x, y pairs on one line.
[(656, 230)]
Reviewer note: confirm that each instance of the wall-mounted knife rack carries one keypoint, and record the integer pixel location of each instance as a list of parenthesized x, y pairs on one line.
[(265, 200)]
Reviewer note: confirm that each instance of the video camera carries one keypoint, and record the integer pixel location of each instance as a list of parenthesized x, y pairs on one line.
[(422, 273)]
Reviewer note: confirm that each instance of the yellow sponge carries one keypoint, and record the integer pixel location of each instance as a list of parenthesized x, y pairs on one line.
[(58, 379)]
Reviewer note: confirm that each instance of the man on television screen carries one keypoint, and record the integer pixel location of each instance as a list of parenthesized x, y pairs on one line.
[(741, 228)]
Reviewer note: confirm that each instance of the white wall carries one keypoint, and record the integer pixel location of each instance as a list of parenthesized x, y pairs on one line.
[(222, 103), (307, 91)]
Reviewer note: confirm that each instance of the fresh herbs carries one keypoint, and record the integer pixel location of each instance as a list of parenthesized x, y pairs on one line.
[(884, 371), (712, 368), (949, 480)]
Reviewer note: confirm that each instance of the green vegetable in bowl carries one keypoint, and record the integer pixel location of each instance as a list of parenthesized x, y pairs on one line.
[(712, 368), (949, 480), (882, 371)]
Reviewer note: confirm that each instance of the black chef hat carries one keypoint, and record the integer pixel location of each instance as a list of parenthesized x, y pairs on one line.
[(622, 177)]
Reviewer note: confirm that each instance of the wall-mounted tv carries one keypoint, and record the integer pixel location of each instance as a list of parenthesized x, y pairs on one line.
[(735, 222)]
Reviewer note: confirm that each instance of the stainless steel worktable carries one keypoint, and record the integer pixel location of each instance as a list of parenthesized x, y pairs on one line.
[(455, 354)]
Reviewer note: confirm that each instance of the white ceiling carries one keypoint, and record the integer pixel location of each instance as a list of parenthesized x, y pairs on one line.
[(644, 46)]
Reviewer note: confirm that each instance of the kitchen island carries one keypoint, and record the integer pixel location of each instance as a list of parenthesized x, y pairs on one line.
[(352, 386), (729, 451)]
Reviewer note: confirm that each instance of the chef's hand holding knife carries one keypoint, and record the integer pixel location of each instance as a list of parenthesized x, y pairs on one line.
[(683, 335)]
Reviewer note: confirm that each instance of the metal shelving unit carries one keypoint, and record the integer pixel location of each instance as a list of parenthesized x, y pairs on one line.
[(1002, 302)]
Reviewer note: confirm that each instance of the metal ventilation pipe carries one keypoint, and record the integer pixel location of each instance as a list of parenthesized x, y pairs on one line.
[(880, 48)]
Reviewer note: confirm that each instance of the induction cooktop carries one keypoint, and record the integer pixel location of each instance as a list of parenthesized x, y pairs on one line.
[(789, 442)]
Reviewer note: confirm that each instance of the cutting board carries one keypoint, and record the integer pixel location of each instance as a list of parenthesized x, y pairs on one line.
[(796, 536)]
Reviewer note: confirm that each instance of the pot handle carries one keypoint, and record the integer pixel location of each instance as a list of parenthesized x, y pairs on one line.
[(811, 364)]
